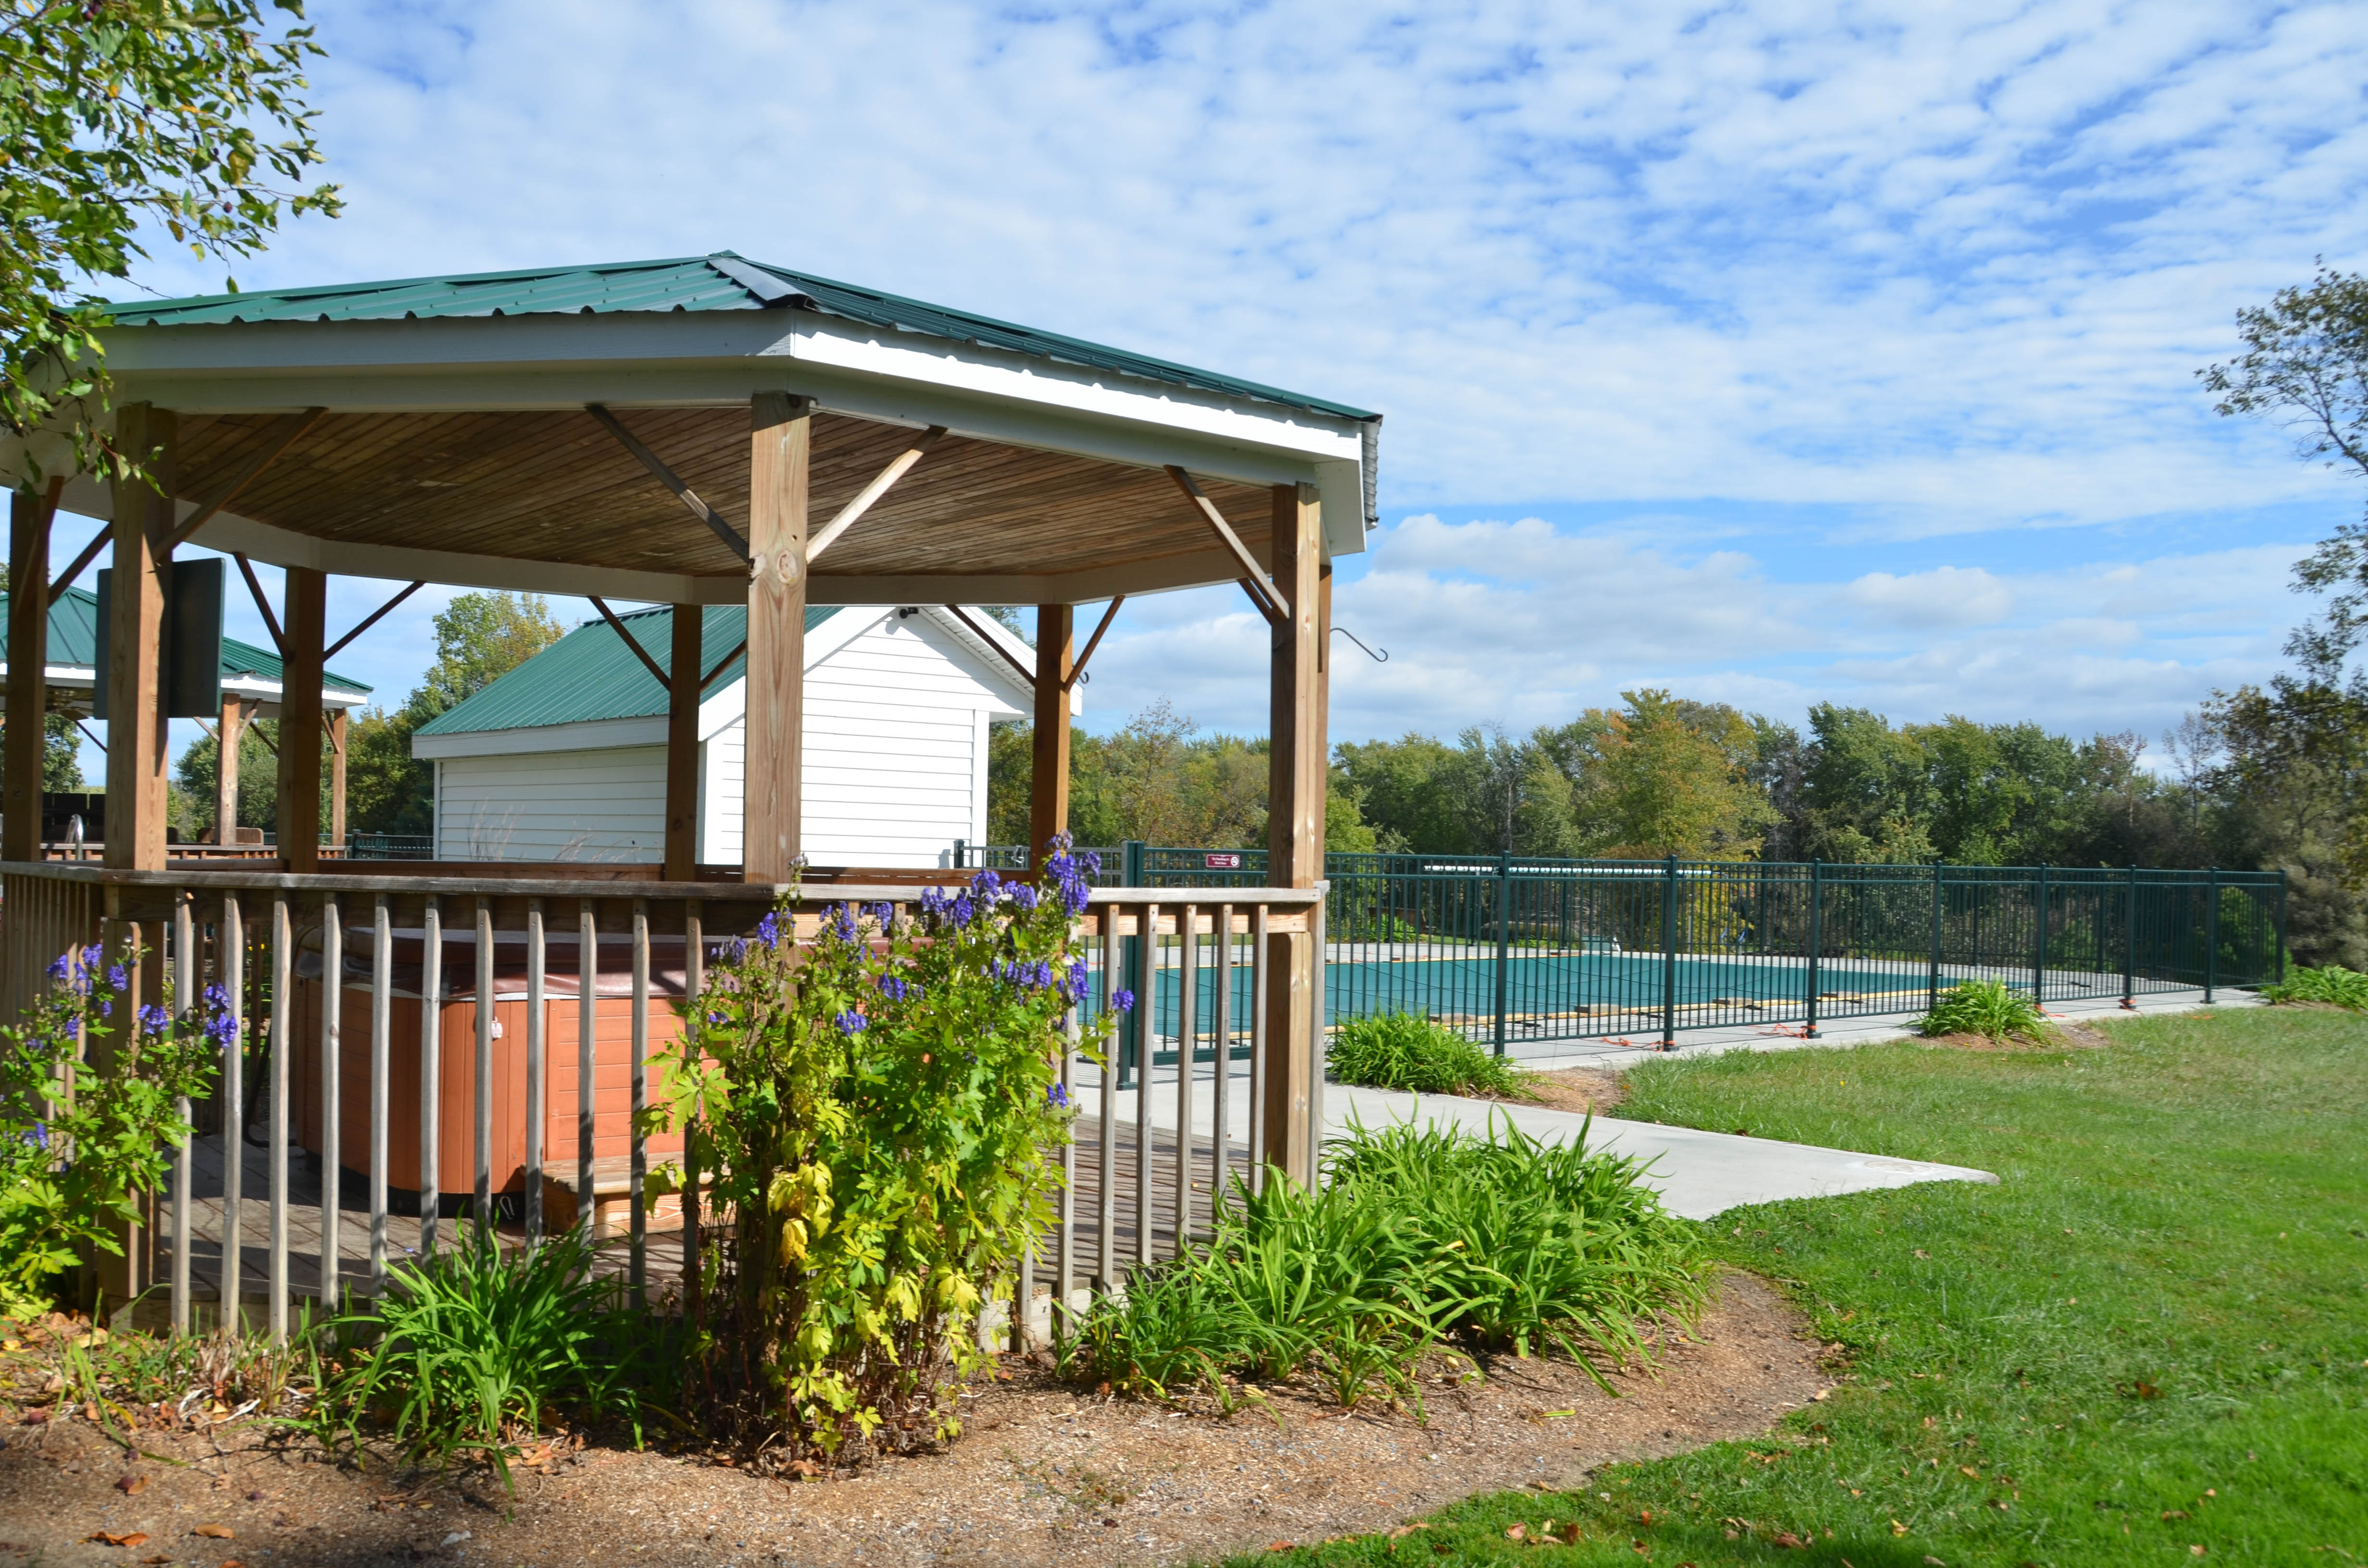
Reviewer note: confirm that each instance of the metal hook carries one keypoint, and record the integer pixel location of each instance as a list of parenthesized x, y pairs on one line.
[(1381, 658)]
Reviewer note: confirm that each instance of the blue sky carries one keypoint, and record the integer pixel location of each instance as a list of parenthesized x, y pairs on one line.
[(1774, 353)]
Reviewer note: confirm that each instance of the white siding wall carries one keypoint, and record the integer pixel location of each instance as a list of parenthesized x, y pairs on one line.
[(895, 770), (567, 805)]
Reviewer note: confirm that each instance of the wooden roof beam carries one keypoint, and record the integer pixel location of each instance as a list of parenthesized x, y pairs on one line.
[(631, 641), (370, 620), (668, 477), (255, 591), (1027, 676), (719, 667), (1253, 579), (1077, 670), (872, 492), (283, 435)]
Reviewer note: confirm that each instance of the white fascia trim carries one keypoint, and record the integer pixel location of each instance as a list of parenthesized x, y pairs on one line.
[(986, 664), (138, 354), (591, 734), (81, 677)]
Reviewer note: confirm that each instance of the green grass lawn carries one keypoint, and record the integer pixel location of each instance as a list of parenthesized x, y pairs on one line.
[(2151, 1339)]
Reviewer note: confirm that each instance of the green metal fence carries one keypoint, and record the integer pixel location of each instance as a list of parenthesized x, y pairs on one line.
[(1510, 949)]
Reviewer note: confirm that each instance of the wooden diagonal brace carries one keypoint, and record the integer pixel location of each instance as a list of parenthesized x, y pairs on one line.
[(1026, 675), (283, 437), (668, 477), (89, 553), (1077, 670), (1262, 593), (872, 492), (720, 664), (631, 641), (271, 622), (372, 618)]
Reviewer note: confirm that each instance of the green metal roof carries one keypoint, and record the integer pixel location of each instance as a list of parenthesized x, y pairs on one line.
[(590, 673), (73, 640), (724, 281)]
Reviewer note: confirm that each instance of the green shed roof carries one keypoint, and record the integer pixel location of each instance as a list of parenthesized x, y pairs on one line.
[(723, 282), (73, 640), (590, 673)]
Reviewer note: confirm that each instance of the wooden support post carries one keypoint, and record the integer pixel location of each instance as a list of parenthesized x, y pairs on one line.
[(778, 446), (306, 604), (1295, 822), (1048, 783), (337, 779), (682, 746), (230, 735), (24, 751), (137, 739)]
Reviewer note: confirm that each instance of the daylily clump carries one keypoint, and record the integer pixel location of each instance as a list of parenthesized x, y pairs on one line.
[(878, 1113)]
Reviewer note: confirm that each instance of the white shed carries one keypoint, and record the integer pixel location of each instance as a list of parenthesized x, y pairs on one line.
[(563, 758)]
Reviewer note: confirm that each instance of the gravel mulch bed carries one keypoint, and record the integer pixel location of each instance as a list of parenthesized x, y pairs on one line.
[(1041, 1476)]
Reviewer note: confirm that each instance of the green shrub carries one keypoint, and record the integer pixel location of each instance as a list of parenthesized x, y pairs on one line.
[(1987, 1007), (477, 1348), (1420, 1240), (89, 1085), (881, 1115), (1406, 1050), (2334, 986)]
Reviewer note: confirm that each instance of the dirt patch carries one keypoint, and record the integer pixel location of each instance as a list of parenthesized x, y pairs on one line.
[(1576, 1089), (1041, 1477), (2072, 1035)]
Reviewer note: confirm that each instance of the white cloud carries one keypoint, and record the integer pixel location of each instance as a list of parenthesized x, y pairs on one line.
[(1945, 272)]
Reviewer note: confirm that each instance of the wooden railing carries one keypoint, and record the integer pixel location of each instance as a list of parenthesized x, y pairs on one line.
[(437, 977)]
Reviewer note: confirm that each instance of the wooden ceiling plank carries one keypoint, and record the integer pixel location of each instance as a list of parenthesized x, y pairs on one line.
[(284, 435), (665, 477)]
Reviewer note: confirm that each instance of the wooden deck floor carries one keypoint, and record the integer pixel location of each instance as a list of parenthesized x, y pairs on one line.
[(662, 1248)]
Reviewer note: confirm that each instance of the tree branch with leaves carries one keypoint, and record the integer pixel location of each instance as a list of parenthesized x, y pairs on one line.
[(121, 119)]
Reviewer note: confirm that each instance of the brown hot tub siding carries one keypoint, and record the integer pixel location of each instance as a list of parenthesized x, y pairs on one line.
[(457, 1030)]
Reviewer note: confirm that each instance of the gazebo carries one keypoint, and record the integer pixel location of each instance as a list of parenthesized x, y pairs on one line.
[(701, 431)]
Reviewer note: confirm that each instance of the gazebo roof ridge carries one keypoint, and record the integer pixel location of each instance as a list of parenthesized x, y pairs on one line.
[(720, 280)]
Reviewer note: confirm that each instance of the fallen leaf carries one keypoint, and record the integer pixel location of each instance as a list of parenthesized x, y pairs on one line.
[(1790, 1541), (1404, 1531), (1517, 1532), (2169, 1513), (104, 1538), (1278, 1546), (35, 1418), (1921, 1252), (1969, 1470), (1898, 1529), (133, 1485), (159, 1561), (2196, 1550), (1932, 1562), (2147, 1391), (215, 1533)]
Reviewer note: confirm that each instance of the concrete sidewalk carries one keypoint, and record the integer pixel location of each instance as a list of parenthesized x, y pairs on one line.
[(1697, 1174)]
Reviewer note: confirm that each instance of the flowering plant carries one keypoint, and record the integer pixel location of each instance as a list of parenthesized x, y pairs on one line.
[(89, 1082), (880, 1112)]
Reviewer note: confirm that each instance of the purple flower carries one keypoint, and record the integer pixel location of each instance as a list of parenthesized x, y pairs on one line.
[(769, 929), (714, 1017), (894, 987), (1123, 1002), (733, 952), (37, 1135), (154, 1020), (116, 979), (1078, 976), (1057, 1096), (58, 967), (839, 920), (851, 1023), (884, 914), (987, 888), (1025, 897)]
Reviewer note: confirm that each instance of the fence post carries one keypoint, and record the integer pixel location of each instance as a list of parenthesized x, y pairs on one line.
[(1816, 939), (961, 853), (2211, 934), (2038, 945), (1669, 954), (1134, 1050), (1932, 986), (1504, 937), (2130, 945), (2278, 971)]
